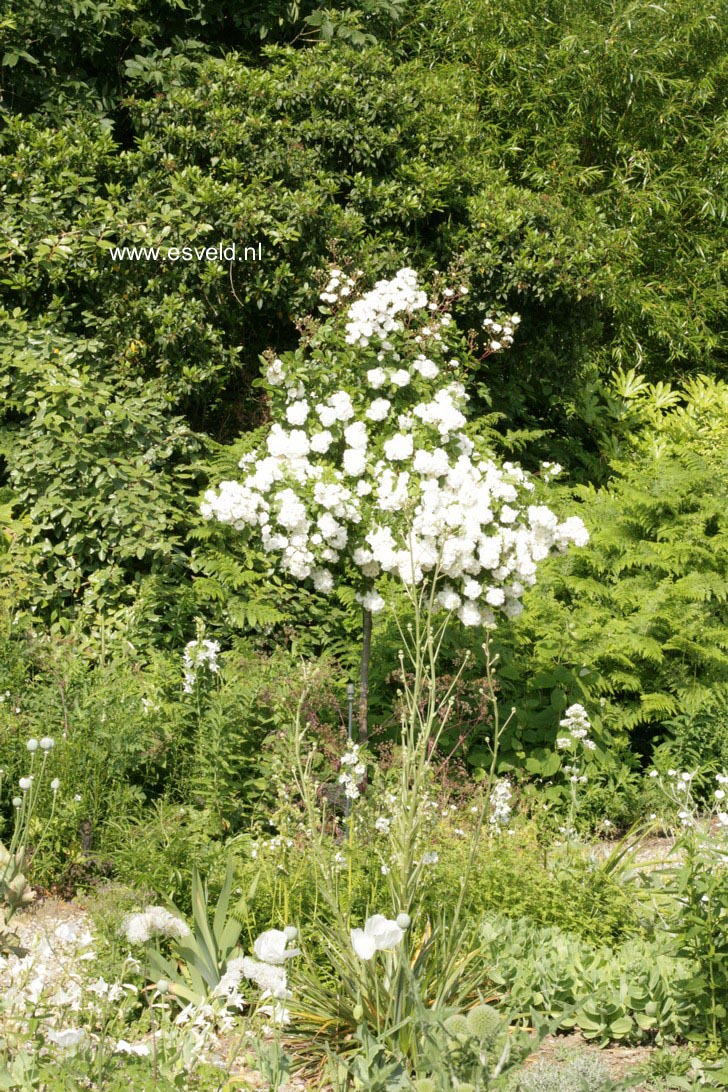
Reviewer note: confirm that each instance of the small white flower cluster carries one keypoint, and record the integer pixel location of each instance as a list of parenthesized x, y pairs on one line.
[(680, 791), (677, 786), (500, 332), (387, 478), (199, 654), (500, 805), (155, 921), (373, 316), (379, 935), (51, 982), (338, 287), (353, 770), (550, 471), (576, 721), (266, 971)]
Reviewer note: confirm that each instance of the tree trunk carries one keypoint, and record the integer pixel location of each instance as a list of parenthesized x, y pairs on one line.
[(366, 648)]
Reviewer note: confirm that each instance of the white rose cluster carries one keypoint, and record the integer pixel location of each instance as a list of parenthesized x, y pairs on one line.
[(385, 475), (339, 286), (501, 333), (373, 316)]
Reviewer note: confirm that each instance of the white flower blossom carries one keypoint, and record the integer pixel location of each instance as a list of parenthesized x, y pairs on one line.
[(199, 654), (500, 805), (271, 947), (378, 409), (399, 447), (155, 921), (378, 935), (297, 412), (140, 1049), (66, 1038), (275, 373), (325, 490)]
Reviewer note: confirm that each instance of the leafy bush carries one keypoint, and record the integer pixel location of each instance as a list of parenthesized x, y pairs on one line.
[(100, 473), (128, 737), (615, 109), (519, 878), (635, 626)]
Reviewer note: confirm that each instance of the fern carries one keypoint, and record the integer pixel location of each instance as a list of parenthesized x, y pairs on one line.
[(638, 619)]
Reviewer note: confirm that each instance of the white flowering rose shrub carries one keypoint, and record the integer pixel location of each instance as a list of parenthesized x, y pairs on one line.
[(370, 465)]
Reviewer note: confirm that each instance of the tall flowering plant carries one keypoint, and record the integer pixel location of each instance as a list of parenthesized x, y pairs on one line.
[(399, 987), (370, 465)]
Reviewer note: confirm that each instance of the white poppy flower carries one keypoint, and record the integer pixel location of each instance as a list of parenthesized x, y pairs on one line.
[(378, 935), (270, 947)]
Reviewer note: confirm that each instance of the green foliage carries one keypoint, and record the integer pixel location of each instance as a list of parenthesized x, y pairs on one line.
[(83, 50), (157, 848), (634, 625), (135, 754), (518, 878), (231, 765), (697, 886), (98, 469), (615, 108), (15, 890), (201, 958), (631, 993), (107, 753), (569, 159), (682, 1068)]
